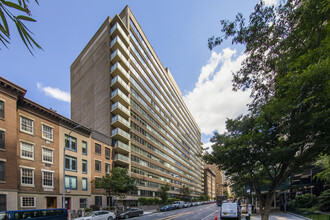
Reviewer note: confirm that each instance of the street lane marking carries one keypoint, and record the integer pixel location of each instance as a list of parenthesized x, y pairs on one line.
[(174, 216)]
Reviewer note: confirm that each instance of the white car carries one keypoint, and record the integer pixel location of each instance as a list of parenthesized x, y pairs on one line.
[(98, 215)]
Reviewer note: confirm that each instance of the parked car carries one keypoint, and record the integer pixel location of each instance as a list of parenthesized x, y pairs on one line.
[(35, 214), (132, 212), (230, 210), (99, 215), (178, 204), (166, 208)]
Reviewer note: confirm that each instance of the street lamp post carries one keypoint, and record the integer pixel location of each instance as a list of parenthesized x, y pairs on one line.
[(75, 127)]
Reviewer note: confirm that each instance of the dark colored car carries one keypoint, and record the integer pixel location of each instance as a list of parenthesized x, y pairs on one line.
[(131, 213), (166, 208)]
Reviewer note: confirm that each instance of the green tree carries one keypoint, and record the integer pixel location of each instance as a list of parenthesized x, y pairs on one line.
[(8, 11), (185, 193), (324, 162), (324, 200), (163, 192), (287, 68), (118, 183)]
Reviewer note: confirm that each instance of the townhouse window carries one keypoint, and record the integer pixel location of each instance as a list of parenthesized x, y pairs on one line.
[(83, 203), (2, 171), (107, 153), (27, 125), (84, 183), (98, 200), (97, 165), (47, 155), (84, 166), (27, 150), (70, 182), (70, 143), (2, 140), (27, 176), (70, 163), (97, 148), (84, 148), (28, 201), (107, 168), (47, 132), (3, 202), (97, 180), (2, 109), (47, 179)]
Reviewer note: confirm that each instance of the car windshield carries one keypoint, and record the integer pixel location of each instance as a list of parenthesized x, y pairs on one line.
[(90, 214), (229, 206)]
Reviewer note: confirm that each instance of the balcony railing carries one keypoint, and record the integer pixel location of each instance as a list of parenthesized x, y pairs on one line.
[(122, 157), (120, 43), (118, 28), (120, 94), (118, 67), (120, 119), (121, 82), (121, 107), (117, 56), (120, 132)]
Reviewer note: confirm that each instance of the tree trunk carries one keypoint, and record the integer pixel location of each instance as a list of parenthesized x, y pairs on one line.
[(266, 205)]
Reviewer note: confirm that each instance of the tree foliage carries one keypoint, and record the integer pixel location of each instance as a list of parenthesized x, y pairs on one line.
[(324, 163), (287, 68), (8, 11), (163, 192), (185, 193), (117, 183)]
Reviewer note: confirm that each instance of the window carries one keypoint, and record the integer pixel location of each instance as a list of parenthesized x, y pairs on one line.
[(98, 200), (27, 151), (107, 153), (2, 109), (70, 143), (84, 183), (27, 176), (70, 163), (70, 182), (84, 166), (47, 132), (107, 168), (47, 179), (3, 203), (97, 148), (84, 148), (27, 125), (28, 201), (83, 203), (2, 140), (97, 179), (47, 155), (2, 171), (97, 165)]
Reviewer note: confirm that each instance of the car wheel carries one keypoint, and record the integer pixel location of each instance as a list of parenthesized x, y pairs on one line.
[(110, 218), (140, 214), (126, 216)]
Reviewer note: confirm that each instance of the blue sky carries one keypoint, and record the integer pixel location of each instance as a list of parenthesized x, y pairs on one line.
[(177, 29)]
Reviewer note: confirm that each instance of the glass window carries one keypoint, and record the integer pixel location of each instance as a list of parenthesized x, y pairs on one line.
[(2, 140), (27, 151), (84, 166), (47, 155), (27, 125), (2, 171), (84, 183), (107, 153), (28, 202), (97, 180), (27, 176), (107, 168), (70, 182), (47, 179), (84, 147), (98, 200), (3, 203), (47, 132), (2, 109), (70, 163), (83, 203), (97, 165), (70, 143), (97, 148)]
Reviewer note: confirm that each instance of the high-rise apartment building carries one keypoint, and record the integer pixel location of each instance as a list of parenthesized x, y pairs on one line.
[(120, 88)]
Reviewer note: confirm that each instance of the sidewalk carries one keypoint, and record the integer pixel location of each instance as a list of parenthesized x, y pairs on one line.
[(150, 211), (278, 215)]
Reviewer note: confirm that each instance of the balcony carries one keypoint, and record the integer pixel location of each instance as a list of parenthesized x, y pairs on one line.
[(117, 44), (120, 135), (119, 109), (118, 83), (118, 70), (122, 160), (119, 96), (119, 122), (120, 147), (117, 56), (117, 30)]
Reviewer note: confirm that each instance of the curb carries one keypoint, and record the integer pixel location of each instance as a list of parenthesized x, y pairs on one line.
[(300, 216)]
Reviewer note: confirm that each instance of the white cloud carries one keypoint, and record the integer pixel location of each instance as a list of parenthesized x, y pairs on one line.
[(212, 100), (208, 147), (54, 93), (270, 2)]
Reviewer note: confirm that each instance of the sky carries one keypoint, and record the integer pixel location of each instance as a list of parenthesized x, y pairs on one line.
[(178, 30)]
